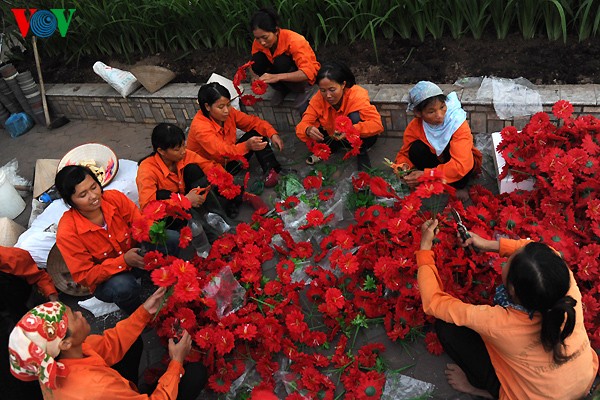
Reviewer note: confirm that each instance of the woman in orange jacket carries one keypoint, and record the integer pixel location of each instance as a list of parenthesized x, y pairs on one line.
[(532, 344), (282, 58), (439, 137), (94, 238), (339, 96), (213, 134)]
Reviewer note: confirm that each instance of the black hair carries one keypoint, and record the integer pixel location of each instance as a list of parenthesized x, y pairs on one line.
[(165, 136), (337, 72), (422, 105), (265, 19), (541, 280), (209, 94), (68, 178)]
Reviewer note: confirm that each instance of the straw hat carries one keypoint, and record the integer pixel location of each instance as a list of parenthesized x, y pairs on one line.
[(100, 158), (9, 232), (61, 276), (152, 77)]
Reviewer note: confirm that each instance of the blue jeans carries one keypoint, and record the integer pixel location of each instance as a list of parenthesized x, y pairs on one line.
[(122, 289)]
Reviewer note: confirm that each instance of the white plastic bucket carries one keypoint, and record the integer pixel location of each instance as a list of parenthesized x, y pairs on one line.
[(11, 204)]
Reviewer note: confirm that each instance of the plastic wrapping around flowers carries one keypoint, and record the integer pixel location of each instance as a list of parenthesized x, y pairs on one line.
[(402, 387), (226, 291)]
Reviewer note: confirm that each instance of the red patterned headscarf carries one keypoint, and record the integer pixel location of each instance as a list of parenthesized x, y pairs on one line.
[(33, 344)]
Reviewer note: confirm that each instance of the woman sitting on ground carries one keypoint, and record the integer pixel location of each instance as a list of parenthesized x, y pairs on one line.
[(52, 344), (532, 344), (282, 58), (340, 96), (94, 238), (438, 137), (213, 134)]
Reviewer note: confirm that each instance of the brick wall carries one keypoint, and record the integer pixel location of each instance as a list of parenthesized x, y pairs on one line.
[(176, 103)]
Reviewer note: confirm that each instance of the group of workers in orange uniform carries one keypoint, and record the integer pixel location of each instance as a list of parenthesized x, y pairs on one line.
[(51, 343)]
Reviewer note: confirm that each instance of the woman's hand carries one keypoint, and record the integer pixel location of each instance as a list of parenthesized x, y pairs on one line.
[(314, 133), (196, 197), (480, 243), (179, 351), (255, 143), (277, 142), (133, 259), (153, 302), (428, 231), (270, 78), (412, 178)]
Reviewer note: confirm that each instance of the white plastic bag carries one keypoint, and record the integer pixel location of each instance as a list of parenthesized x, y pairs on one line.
[(123, 82)]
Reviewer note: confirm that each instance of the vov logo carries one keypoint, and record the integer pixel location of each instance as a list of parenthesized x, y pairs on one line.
[(43, 23)]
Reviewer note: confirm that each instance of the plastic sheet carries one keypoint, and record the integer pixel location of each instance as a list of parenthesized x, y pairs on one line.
[(11, 169), (217, 222), (511, 97), (226, 291), (402, 387)]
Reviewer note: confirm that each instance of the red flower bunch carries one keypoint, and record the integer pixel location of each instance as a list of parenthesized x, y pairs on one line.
[(320, 150), (258, 86), (223, 180), (344, 125)]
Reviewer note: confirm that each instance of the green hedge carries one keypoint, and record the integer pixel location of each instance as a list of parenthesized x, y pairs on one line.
[(106, 27)]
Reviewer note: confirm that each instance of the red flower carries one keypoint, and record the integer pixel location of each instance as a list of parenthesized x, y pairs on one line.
[(224, 181), (219, 384), (334, 298), (163, 277), (259, 87), (343, 123), (380, 187), (185, 237), (187, 290), (433, 344), (240, 75), (183, 269), (361, 181), (320, 150), (246, 331), (313, 181), (155, 210), (562, 109), (249, 100), (325, 194), (370, 386), (223, 340), (315, 218), (347, 263)]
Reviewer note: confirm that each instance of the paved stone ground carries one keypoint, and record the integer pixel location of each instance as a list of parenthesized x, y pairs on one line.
[(132, 141)]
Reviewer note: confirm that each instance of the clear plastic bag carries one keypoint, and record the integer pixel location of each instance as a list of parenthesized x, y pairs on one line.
[(11, 170), (226, 291), (402, 387), (217, 222), (511, 97)]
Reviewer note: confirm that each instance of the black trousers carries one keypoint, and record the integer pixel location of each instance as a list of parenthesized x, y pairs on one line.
[(468, 351), (422, 157), (266, 157), (281, 64), (14, 293), (190, 385), (363, 160)]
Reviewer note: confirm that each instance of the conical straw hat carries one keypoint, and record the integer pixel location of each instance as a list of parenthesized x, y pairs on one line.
[(61, 276), (9, 232), (152, 77)]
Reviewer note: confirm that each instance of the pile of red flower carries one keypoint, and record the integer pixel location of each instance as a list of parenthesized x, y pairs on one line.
[(365, 273)]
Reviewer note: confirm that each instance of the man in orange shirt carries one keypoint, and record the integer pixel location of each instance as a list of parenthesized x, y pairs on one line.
[(52, 344)]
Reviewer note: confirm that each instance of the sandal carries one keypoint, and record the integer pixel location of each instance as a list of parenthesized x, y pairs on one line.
[(312, 159)]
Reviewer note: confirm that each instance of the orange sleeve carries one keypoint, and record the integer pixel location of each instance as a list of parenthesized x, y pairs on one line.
[(304, 57), (411, 134), (509, 246), (18, 262), (310, 117), (371, 124), (247, 123), (204, 164), (147, 183), (461, 155), (205, 140), (112, 346)]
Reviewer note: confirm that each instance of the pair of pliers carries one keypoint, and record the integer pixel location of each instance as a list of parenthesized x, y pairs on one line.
[(462, 229)]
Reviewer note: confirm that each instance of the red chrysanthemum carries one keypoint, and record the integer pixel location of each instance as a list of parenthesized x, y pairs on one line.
[(249, 100), (433, 344), (186, 290), (246, 331), (370, 386), (342, 123), (562, 109), (325, 194), (163, 277), (155, 210), (259, 87), (313, 181), (140, 229), (185, 237)]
